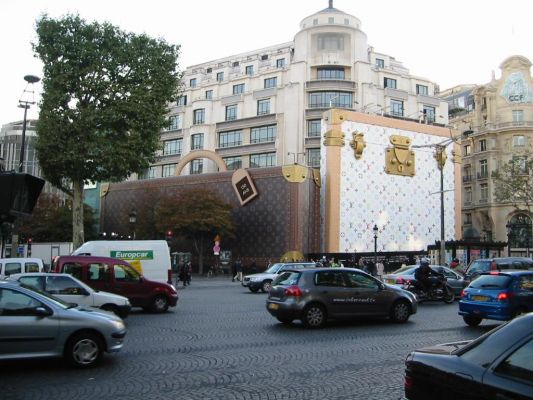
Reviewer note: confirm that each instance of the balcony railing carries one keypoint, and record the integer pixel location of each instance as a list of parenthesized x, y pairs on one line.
[(482, 175), (467, 178)]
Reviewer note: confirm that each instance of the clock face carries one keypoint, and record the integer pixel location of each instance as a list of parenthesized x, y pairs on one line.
[(516, 90)]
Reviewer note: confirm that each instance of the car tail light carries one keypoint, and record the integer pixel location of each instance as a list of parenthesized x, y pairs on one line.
[(399, 281), (494, 272), (408, 382), (463, 294), (493, 266), (504, 296), (293, 291)]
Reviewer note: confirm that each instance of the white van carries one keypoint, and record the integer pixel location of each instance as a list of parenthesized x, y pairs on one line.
[(10, 266), (151, 258)]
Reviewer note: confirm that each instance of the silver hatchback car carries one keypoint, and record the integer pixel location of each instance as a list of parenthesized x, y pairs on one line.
[(36, 324), (316, 295)]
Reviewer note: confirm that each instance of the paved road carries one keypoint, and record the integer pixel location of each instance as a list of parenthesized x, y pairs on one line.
[(220, 343)]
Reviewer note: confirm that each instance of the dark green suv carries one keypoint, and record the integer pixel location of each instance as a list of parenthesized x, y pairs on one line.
[(481, 265)]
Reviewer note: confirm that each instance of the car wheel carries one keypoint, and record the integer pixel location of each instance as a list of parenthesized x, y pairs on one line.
[(400, 312), (84, 350), (285, 320), (253, 289), (265, 288), (160, 304), (314, 316), (112, 308), (472, 320), (449, 296)]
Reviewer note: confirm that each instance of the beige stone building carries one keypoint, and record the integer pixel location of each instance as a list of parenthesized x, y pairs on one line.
[(497, 119)]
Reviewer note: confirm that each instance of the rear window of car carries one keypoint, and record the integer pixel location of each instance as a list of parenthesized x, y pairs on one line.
[(491, 282), (479, 266), (403, 270), (287, 278)]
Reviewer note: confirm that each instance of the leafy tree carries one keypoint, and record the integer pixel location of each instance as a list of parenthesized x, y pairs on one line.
[(51, 221), (196, 214), (105, 95)]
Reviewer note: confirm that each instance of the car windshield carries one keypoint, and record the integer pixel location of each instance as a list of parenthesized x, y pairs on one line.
[(491, 282), (403, 270), (478, 266), (287, 278), (57, 301), (274, 269)]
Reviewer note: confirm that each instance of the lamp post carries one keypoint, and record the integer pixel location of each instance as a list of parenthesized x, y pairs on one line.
[(375, 229), (31, 79), (133, 221), (509, 228)]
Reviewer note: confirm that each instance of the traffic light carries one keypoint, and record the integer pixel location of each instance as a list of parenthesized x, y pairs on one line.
[(168, 236), (30, 240)]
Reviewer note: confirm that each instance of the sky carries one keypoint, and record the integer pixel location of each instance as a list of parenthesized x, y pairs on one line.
[(450, 42)]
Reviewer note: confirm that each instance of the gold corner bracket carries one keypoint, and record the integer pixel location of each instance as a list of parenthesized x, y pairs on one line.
[(399, 159), (316, 177), (358, 144), (294, 173)]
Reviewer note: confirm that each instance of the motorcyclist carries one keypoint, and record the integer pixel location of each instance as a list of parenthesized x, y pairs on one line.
[(424, 275)]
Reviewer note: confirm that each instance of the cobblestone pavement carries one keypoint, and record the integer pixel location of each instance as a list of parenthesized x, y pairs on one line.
[(220, 343)]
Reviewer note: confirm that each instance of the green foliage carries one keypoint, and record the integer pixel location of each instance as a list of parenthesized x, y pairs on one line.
[(513, 183), (51, 221)]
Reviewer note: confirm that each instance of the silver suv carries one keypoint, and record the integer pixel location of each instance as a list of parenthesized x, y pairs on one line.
[(316, 295), (264, 280)]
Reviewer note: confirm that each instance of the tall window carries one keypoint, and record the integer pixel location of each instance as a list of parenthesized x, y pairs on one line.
[(422, 89), (518, 116), (483, 169), (520, 235), (172, 147), (429, 114), (230, 139), (199, 116), (149, 173), (468, 219), (174, 122), (197, 166), (220, 76), (208, 94), (520, 165), (263, 134), (483, 145), (468, 195), (389, 83), (380, 63), (484, 193), (182, 100), (237, 89), (330, 73), (467, 173), (280, 63), (330, 99), (519, 141), (231, 112), (314, 127), (313, 158), (263, 160), (271, 82), (192, 82), (168, 170), (249, 70), (263, 106), (330, 41), (466, 150), (233, 163), (197, 141), (396, 107)]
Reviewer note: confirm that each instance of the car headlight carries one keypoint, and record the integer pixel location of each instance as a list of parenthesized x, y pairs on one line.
[(173, 288), (119, 325), (255, 279)]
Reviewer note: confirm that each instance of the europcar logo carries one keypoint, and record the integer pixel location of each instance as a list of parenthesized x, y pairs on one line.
[(133, 254)]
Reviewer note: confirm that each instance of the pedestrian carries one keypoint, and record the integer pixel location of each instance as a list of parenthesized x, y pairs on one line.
[(238, 270), (183, 274), (269, 263), (333, 263), (233, 271), (188, 273)]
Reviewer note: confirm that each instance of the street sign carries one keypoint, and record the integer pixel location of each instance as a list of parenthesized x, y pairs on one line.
[(20, 250)]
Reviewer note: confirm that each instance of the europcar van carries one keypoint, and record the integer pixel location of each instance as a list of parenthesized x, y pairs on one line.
[(151, 258), (10, 266)]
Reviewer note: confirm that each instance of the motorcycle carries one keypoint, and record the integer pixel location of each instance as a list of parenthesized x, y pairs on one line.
[(440, 291)]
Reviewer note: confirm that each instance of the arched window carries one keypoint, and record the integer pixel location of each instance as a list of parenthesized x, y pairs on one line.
[(520, 231)]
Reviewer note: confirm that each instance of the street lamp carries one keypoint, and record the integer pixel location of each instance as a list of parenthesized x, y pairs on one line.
[(31, 79), (375, 229), (509, 232), (133, 221)]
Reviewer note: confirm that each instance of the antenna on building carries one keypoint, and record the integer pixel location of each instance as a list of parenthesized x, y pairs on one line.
[(330, 3)]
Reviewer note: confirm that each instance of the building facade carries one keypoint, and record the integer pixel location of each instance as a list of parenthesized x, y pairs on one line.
[(497, 122), (263, 108)]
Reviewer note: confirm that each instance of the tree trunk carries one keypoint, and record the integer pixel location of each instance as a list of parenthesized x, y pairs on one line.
[(77, 214)]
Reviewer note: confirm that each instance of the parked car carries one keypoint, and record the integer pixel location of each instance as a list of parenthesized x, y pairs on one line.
[(72, 290), (263, 280), (481, 265), (316, 295), (9, 266), (497, 295), (401, 276), (117, 276), (36, 324), (498, 365)]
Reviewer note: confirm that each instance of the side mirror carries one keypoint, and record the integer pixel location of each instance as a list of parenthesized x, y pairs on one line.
[(42, 311)]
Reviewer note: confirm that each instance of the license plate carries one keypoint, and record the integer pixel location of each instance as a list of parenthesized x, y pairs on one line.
[(273, 306), (480, 298)]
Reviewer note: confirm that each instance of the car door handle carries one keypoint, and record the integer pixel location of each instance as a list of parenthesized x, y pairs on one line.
[(465, 376)]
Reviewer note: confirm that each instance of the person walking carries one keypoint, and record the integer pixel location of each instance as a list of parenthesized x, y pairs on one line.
[(233, 271), (238, 270)]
